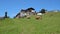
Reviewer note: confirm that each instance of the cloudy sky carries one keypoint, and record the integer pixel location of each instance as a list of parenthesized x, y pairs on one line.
[(14, 6)]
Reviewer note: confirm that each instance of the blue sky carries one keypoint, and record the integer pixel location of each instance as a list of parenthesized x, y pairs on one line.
[(14, 6)]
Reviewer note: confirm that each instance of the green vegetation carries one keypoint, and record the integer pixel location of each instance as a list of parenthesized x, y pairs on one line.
[(49, 24)]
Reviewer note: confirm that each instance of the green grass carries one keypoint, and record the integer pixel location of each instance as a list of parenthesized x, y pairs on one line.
[(49, 24)]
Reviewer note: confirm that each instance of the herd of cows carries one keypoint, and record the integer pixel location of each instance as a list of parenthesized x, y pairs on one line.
[(27, 13)]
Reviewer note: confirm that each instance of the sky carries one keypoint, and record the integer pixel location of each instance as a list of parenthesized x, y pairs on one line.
[(14, 6)]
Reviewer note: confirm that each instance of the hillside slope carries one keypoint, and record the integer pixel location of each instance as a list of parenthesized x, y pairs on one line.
[(49, 24)]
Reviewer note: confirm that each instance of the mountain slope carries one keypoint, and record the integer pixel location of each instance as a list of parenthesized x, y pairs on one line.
[(49, 24)]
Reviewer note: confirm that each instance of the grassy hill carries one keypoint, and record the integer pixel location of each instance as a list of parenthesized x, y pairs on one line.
[(49, 24)]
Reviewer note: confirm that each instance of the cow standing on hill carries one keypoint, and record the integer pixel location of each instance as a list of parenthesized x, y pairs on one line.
[(39, 14)]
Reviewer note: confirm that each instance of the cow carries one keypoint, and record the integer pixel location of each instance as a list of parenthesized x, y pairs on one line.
[(39, 16)]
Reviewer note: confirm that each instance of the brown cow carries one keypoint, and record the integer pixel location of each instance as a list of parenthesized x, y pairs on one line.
[(38, 17)]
